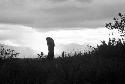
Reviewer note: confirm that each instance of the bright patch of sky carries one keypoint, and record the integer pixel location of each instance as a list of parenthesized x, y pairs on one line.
[(23, 36)]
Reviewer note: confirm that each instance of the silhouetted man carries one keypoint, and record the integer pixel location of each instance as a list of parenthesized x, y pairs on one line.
[(50, 44)]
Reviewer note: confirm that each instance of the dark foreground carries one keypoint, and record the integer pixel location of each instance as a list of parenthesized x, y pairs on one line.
[(104, 65), (70, 70)]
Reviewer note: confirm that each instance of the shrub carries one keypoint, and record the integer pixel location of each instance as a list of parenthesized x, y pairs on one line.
[(114, 48), (7, 53)]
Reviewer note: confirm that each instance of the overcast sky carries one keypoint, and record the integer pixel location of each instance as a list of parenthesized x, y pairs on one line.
[(58, 14), (24, 21)]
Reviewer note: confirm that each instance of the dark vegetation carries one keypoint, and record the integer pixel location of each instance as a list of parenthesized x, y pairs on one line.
[(103, 65), (7, 53)]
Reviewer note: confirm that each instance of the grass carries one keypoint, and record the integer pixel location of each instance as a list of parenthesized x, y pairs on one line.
[(104, 65)]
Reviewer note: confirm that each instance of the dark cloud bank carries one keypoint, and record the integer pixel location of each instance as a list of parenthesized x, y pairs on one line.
[(59, 14)]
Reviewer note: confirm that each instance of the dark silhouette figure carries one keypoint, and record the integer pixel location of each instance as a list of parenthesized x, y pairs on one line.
[(63, 54), (50, 44)]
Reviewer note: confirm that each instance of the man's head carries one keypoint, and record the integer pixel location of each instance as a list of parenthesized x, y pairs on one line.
[(50, 41), (48, 38)]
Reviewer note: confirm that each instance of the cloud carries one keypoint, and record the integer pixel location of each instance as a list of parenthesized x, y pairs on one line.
[(56, 1), (46, 15), (8, 32), (20, 35), (85, 1), (63, 1), (83, 36), (23, 36)]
